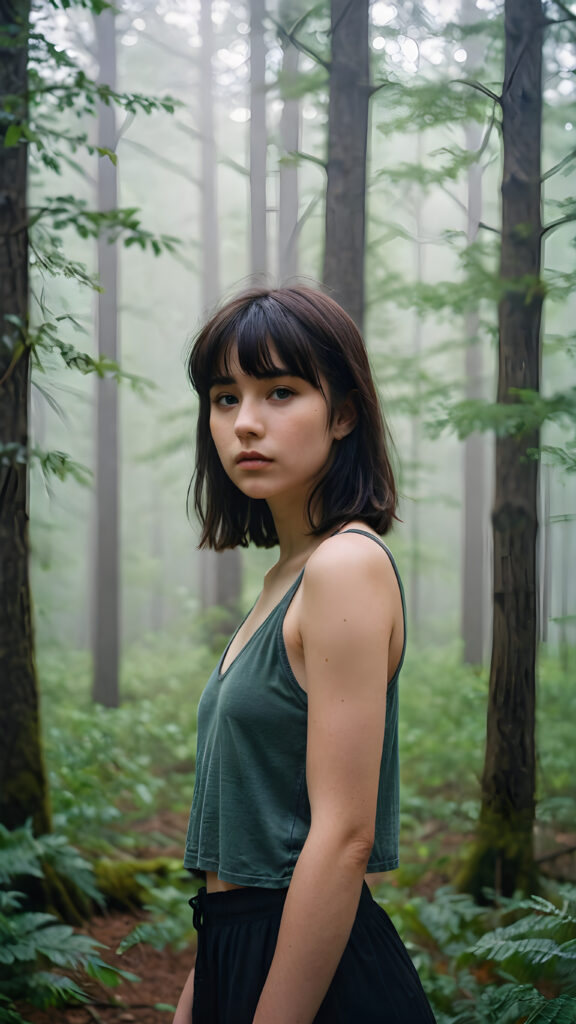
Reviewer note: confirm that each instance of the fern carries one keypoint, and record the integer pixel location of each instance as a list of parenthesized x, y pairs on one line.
[(523, 970), (23, 853), (36, 949), (170, 921)]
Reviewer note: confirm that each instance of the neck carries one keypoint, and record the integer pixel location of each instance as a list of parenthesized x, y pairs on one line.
[(294, 538)]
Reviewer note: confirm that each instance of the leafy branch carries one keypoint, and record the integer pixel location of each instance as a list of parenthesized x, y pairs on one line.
[(526, 412), (69, 211)]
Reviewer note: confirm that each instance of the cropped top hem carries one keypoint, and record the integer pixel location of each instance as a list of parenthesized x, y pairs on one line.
[(237, 878), (265, 881)]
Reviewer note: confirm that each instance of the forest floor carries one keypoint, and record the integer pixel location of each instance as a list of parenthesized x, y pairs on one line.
[(162, 972)]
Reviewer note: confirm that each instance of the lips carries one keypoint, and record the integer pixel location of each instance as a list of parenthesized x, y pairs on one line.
[(247, 457)]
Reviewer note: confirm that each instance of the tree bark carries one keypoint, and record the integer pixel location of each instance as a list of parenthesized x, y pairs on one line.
[(503, 858), (23, 789), (347, 149), (106, 639), (220, 572), (258, 142), (209, 169), (475, 503), (415, 531), (288, 205)]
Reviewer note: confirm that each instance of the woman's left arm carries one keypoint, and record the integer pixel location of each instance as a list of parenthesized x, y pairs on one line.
[(348, 607)]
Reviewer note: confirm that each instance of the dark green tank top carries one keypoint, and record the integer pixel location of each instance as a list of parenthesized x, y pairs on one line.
[(250, 811)]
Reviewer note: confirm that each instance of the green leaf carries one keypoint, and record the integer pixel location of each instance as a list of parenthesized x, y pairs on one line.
[(13, 135), (112, 156)]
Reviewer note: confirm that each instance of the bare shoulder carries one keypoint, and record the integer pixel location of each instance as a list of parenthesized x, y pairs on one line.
[(350, 569)]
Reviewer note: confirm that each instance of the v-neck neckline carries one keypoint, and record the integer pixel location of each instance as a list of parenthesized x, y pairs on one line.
[(223, 673)]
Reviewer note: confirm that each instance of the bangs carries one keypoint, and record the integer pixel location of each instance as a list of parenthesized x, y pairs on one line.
[(268, 339)]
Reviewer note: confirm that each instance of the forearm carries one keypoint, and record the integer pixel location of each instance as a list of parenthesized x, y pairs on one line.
[(318, 915), (183, 1013)]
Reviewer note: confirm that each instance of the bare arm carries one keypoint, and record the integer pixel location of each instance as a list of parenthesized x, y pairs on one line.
[(348, 608), (183, 1013)]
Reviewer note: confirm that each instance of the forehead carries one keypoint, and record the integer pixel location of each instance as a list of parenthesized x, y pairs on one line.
[(228, 361), (262, 356)]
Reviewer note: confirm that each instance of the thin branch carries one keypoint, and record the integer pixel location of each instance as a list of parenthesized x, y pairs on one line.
[(454, 198), (290, 37), (558, 223), (341, 18), (570, 16), (311, 159), (480, 88), (123, 128), (558, 167), (487, 135), (376, 88), (488, 227), (171, 165)]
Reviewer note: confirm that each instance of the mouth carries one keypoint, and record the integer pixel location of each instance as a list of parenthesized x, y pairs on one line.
[(252, 459)]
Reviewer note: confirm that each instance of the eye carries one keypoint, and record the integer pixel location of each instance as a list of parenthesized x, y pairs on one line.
[(225, 400), (281, 394)]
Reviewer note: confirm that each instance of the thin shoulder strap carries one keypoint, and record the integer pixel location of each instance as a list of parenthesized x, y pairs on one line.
[(377, 540)]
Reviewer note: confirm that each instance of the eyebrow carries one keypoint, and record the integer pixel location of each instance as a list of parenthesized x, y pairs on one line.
[(271, 374)]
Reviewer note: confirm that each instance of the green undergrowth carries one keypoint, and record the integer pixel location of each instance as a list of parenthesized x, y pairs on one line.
[(511, 962), (42, 960), (442, 737), (112, 769)]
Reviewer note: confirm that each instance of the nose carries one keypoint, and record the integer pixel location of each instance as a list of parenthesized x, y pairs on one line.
[(248, 422)]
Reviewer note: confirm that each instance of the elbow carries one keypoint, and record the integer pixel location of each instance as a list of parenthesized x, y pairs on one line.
[(351, 847), (357, 850)]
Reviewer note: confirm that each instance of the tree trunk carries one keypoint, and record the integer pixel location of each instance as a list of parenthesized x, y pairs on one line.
[(106, 639), (258, 142), (288, 176), (220, 572), (503, 857), (347, 148), (23, 790), (545, 554), (209, 169), (414, 573), (475, 506)]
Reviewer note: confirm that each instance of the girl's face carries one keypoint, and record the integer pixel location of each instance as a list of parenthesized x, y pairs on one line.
[(272, 434)]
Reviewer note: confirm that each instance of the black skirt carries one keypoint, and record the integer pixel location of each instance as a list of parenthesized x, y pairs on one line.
[(375, 982)]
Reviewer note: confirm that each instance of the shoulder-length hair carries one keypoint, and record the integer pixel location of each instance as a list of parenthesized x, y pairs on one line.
[(312, 336)]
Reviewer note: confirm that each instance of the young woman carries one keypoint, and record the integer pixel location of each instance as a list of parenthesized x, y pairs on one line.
[(296, 794)]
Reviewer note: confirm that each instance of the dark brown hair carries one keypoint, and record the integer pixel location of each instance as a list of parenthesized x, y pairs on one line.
[(312, 335)]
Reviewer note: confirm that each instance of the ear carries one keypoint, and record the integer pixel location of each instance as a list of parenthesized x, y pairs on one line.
[(346, 417)]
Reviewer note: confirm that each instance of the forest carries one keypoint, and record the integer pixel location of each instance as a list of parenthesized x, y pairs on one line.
[(417, 160)]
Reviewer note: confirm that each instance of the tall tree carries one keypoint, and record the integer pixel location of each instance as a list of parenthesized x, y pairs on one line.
[(220, 572), (258, 141), (23, 790), (475, 505), (503, 857), (289, 145), (106, 626), (347, 148), (415, 525)]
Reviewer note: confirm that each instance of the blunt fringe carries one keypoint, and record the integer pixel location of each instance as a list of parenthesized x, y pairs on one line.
[(313, 336)]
